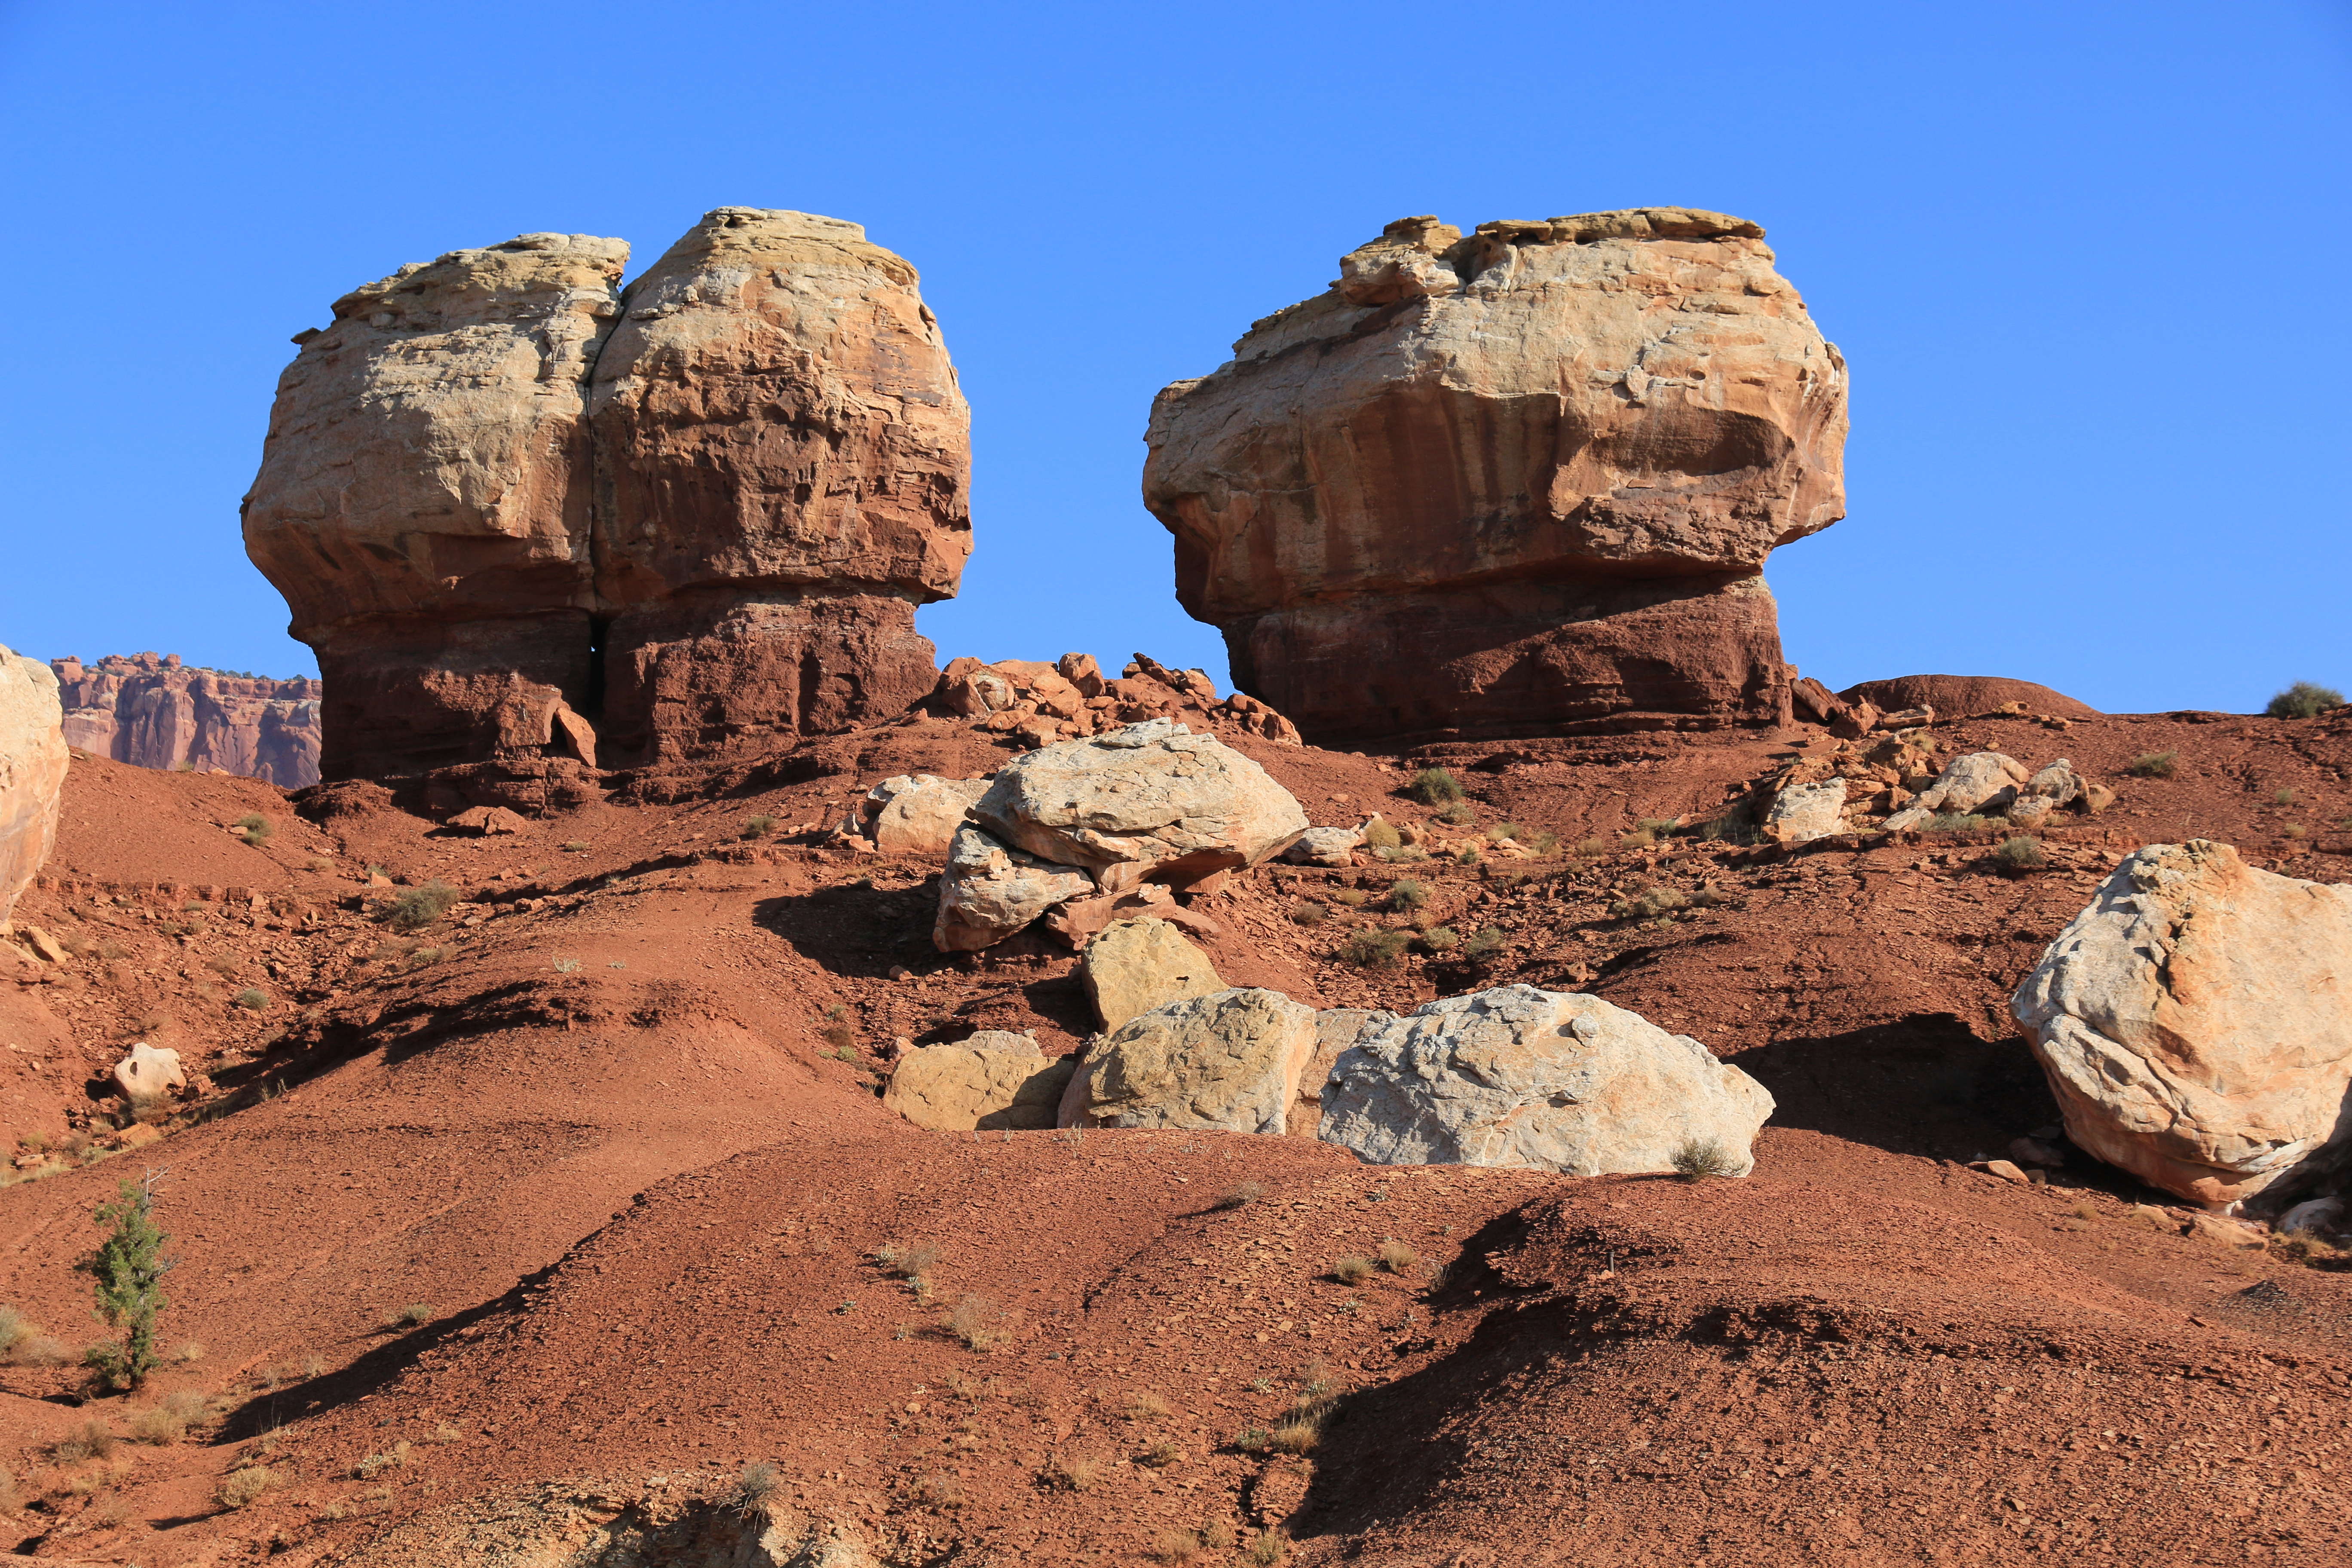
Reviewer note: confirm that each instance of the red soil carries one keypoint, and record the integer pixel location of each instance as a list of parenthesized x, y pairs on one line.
[(593, 1139)]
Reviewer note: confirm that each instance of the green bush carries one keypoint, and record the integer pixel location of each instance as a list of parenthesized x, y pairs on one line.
[(1441, 938), (1461, 814), (253, 999), (1407, 894), (2021, 852), (129, 1267), (1382, 835), (1486, 946), (1435, 786), (758, 826), (1704, 1157), (2303, 700), (414, 909), (1372, 949), (256, 828), (2154, 765)]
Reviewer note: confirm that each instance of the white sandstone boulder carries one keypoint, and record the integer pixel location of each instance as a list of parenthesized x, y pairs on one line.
[(33, 763), (1324, 846), (1981, 783), (1135, 965), (993, 1079), (1228, 1062), (989, 890), (1803, 813), (918, 814), (148, 1074)]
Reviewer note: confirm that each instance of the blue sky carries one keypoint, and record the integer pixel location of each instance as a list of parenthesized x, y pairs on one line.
[(2084, 260)]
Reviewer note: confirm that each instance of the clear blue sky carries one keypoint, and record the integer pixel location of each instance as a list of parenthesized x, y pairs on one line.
[(2087, 261)]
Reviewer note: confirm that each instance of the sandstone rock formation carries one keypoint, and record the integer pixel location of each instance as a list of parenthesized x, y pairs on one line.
[(1336, 1031), (148, 1073), (1512, 482), (993, 1080), (1039, 704), (1228, 1062), (151, 711), (519, 514), (1804, 812), (1537, 1080), (33, 763), (1324, 846), (1149, 802), (1135, 965), (989, 890), (2195, 1023), (918, 814), (1961, 695)]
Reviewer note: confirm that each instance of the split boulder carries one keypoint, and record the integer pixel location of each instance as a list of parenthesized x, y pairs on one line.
[(989, 890), (993, 1079), (1136, 966), (1336, 1031), (1226, 1062), (1534, 1080), (918, 814), (2195, 1023)]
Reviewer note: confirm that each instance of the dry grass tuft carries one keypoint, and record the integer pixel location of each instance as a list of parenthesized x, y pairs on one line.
[(1704, 1157), (1352, 1270), (976, 1322), (1073, 1473), (1382, 835), (1374, 947), (1397, 1257), (1175, 1546), (909, 1259), (1160, 1454), (2020, 853), (241, 1489), (90, 1440), (1298, 1435), (1145, 1406), (2154, 766), (414, 909), (1267, 1550), (1241, 1195)]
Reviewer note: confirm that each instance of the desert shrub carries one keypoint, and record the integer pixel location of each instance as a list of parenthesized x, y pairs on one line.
[(1073, 1473), (1309, 913), (256, 828), (1435, 786), (1650, 903), (1217, 1535), (1407, 894), (1351, 897), (2295, 831), (1265, 1550), (1656, 826), (16, 1330), (128, 1271), (575, 847), (253, 999), (1441, 938), (2283, 797), (414, 909), (1397, 1257), (1503, 830), (1145, 1406), (1295, 1436), (1372, 949), (1379, 834), (1485, 945), (1241, 1195), (1956, 821), (2154, 764), (1253, 1439), (90, 1440), (1469, 856), (416, 1314), (1640, 838), (758, 826), (909, 1259), (1160, 1454), (240, 1489), (167, 1421), (2303, 700), (1404, 855), (1544, 843), (1175, 1546), (2021, 852), (1352, 1270), (975, 1323), (756, 1491), (394, 1458), (1461, 814), (565, 965), (1704, 1157)]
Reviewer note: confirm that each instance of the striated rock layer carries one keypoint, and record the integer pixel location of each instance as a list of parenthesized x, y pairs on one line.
[(33, 763), (151, 711), (520, 512), (1511, 482)]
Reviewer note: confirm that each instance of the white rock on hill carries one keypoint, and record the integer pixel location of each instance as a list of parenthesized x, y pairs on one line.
[(2195, 1023), (1229, 1062), (988, 891), (918, 814), (1536, 1080)]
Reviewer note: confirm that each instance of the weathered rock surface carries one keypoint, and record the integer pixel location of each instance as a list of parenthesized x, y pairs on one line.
[(1337, 1032), (33, 763), (1539, 1081), (1229, 1061), (989, 890), (1135, 965), (519, 515), (151, 711), (918, 814), (1962, 695), (1324, 846), (1508, 482), (2195, 1023), (1038, 704), (993, 1080), (1803, 813), (1980, 782), (148, 1073), (1150, 801)]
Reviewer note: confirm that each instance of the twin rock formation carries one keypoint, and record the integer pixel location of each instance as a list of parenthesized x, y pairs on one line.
[(1515, 482), (518, 512)]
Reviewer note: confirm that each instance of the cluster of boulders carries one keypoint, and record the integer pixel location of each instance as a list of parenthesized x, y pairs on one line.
[(1037, 704), (1097, 821), (1891, 783)]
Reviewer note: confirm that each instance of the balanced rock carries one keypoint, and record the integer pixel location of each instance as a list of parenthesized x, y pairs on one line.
[(33, 763), (1537, 1080), (1229, 1061), (989, 890), (1150, 801), (2195, 1023), (1136, 966), (918, 814), (993, 1080), (1527, 476), (148, 1073)]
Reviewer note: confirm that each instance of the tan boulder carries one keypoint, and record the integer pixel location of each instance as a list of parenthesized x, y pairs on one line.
[(1150, 801), (1525, 476), (1229, 1061), (148, 1073), (1537, 1079), (487, 820), (1804, 812), (1336, 1031), (989, 890), (1136, 966), (993, 1080), (1324, 846), (1078, 921), (1980, 782), (2195, 1023), (918, 814), (32, 764)]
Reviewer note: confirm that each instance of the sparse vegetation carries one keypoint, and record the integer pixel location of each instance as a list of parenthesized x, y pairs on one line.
[(1073, 1473), (1405, 893), (253, 999), (1404, 855), (758, 826), (1351, 897), (1217, 1535), (15, 1328), (128, 1269), (1296, 1434), (1704, 1157), (416, 1314), (2303, 700), (2020, 853), (566, 965), (414, 909), (1241, 1195), (256, 828), (167, 1421), (1253, 1439), (1267, 1550), (1145, 1406), (396, 1458), (1373, 948), (1352, 1270), (1648, 904), (975, 1322), (1309, 913), (1175, 1546), (1485, 945), (1382, 835), (2283, 797), (912, 1261), (1441, 938), (1160, 1454), (1398, 1256), (1435, 786), (1461, 814), (2154, 764), (1956, 822), (1502, 830), (575, 847), (90, 1440), (241, 1489)]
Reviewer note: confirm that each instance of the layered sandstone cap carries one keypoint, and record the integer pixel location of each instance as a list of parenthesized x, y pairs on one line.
[(777, 406), (1624, 394), (427, 452)]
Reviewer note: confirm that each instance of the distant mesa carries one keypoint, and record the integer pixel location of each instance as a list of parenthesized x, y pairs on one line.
[(1958, 696), (520, 512), (1521, 482), (153, 712)]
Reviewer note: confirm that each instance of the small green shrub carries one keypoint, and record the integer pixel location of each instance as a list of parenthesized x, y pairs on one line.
[(2283, 797), (1704, 1157), (240, 1489), (129, 1267), (1441, 938), (1485, 945), (1405, 893), (1253, 1439), (1372, 949), (1546, 843), (2303, 700), (1468, 856), (414, 1315), (256, 828), (1297, 1436), (253, 999), (758, 826), (1503, 830), (2021, 852), (2154, 766), (414, 909), (1403, 854), (1461, 814), (1435, 786)]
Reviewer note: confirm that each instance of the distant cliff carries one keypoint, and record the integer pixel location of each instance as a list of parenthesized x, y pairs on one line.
[(150, 710)]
